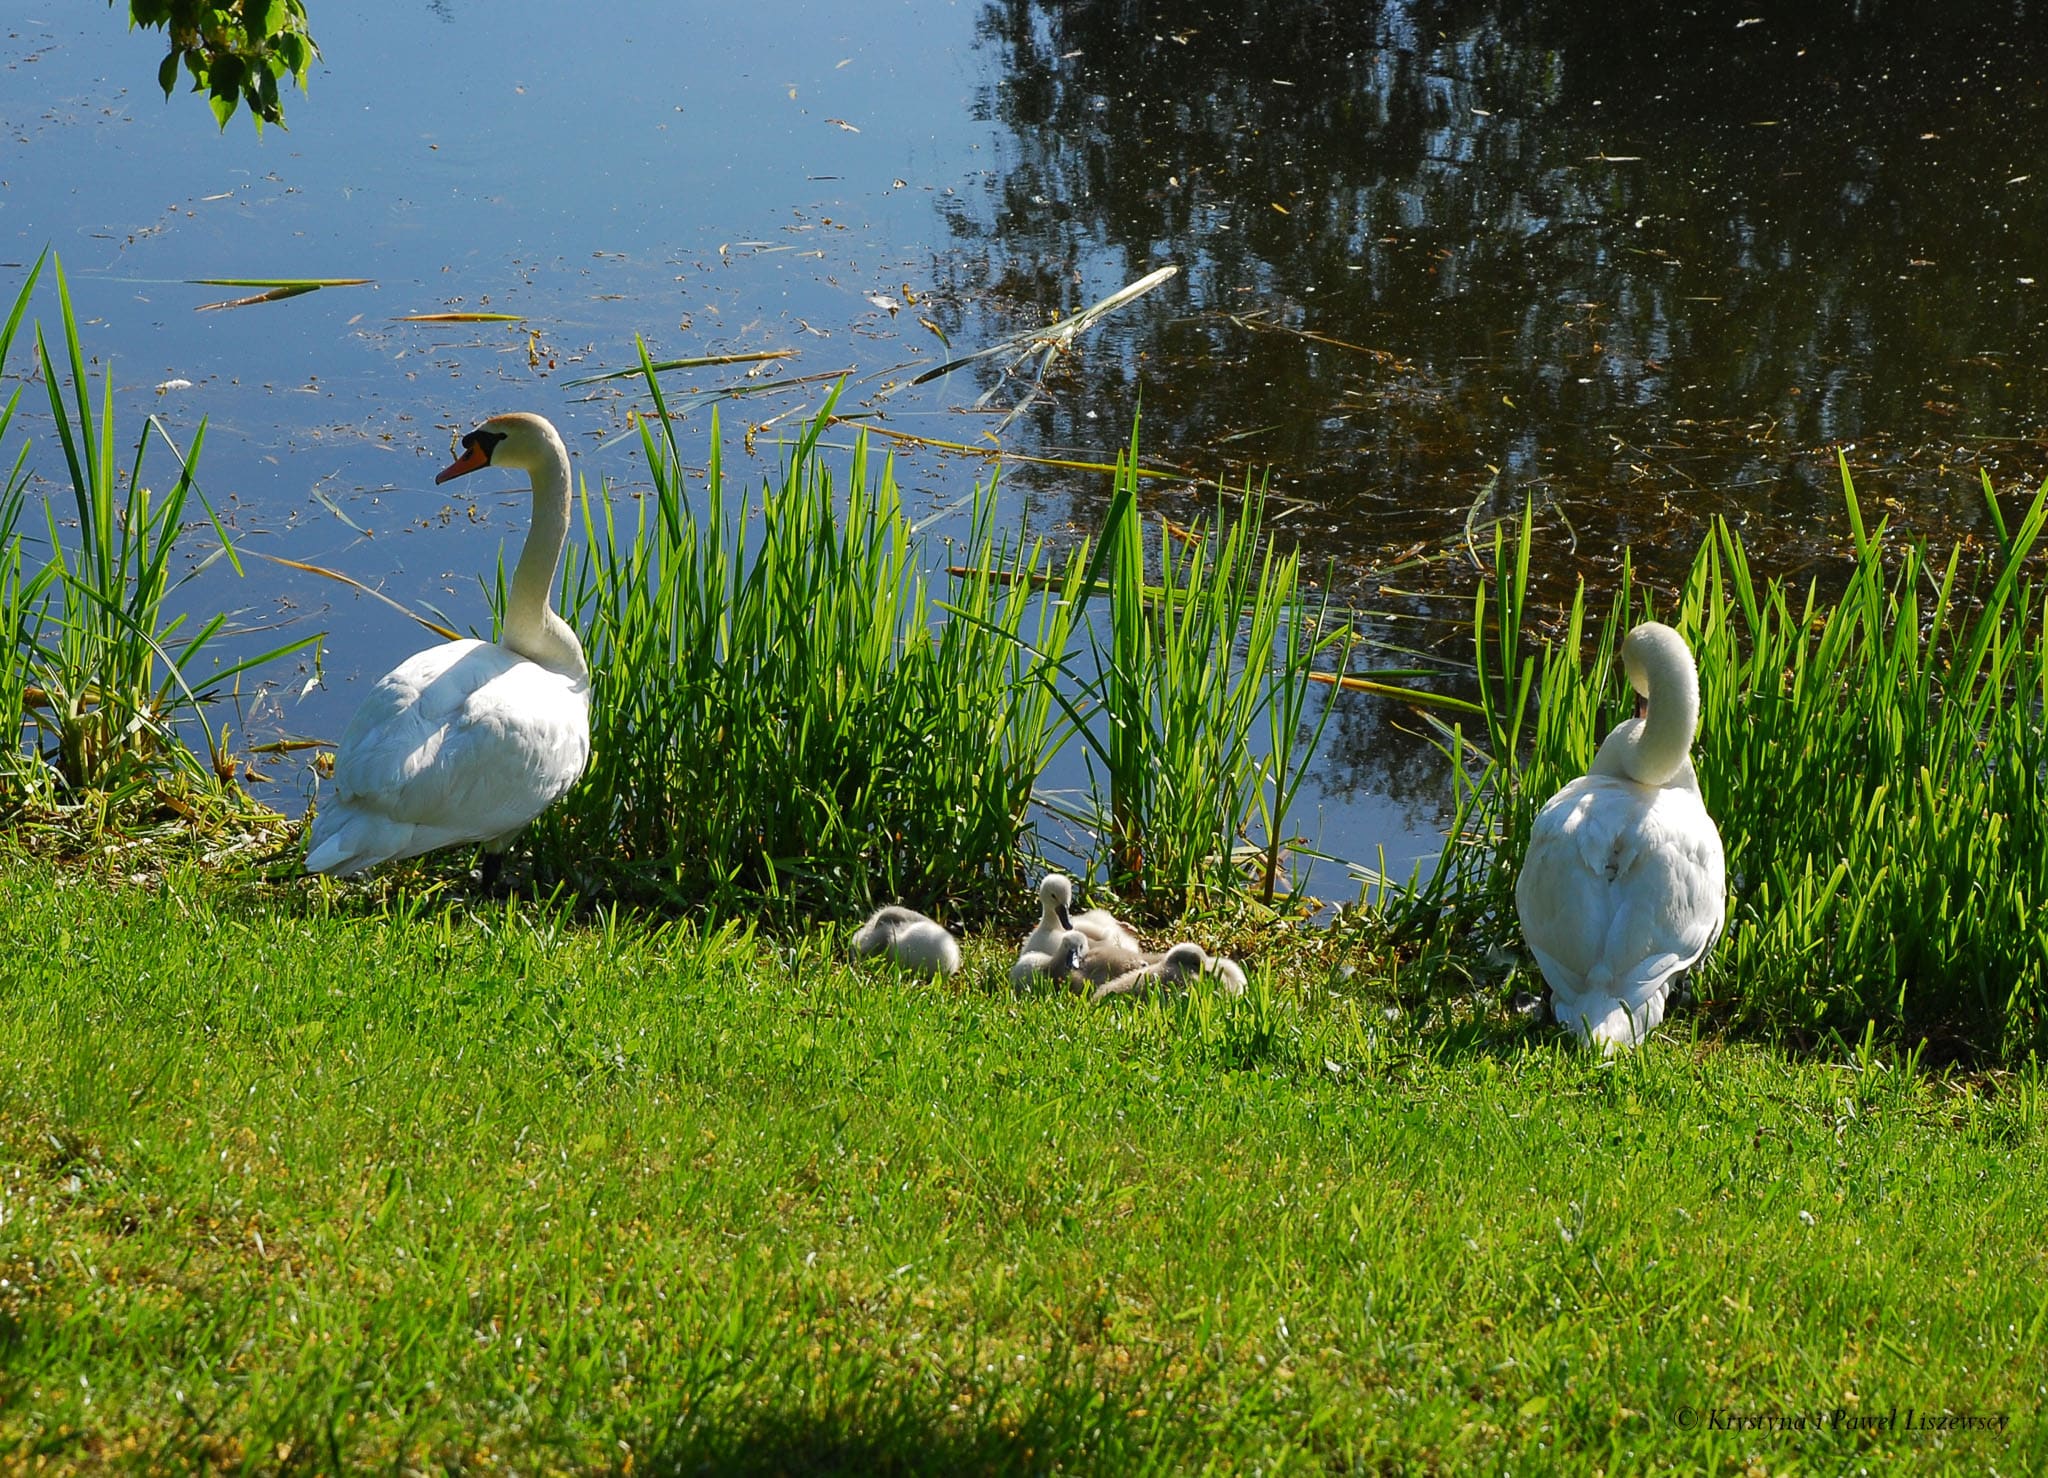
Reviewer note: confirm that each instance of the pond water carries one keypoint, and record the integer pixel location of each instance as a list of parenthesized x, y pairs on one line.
[(1436, 260)]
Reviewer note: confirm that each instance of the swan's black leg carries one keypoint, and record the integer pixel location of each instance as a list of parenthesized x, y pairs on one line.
[(492, 875)]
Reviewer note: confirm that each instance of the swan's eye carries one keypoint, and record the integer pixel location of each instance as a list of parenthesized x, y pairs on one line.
[(484, 442)]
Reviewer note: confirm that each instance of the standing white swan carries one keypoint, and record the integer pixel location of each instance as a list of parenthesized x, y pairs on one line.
[(1625, 882), (470, 740)]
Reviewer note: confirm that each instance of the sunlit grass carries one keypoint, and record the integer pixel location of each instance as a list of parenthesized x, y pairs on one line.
[(783, 707), (288, 1183), (1186, 671), (21, 585)]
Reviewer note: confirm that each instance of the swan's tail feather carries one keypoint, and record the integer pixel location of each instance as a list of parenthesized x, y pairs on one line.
[(347, 841), (1611, 1022)]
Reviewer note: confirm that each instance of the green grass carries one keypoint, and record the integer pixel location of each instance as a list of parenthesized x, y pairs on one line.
[(1876, 761), (788, 710), (290, 1178), (802, 705), (1186, 670), (20, 586), (105, 676)]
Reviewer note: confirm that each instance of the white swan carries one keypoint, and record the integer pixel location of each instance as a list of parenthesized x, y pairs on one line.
[(470, 740), (1055, 897), (1624, 885), (910, 939)]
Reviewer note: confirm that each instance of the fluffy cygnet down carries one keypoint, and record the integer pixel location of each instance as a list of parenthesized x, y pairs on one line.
[(1106, 962), (1055, 899), (1061, 963), (910, 939), (1183, 963)]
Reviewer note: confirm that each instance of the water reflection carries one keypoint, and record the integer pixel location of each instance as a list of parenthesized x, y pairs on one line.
[(1646, 266)]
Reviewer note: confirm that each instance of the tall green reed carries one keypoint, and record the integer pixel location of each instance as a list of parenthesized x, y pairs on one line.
[(794, 710), (1185, 672), (20, 589), (1875, 761), (787, 711), (97, 680)]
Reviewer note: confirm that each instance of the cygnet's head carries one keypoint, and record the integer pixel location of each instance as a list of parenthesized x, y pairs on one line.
[(517, 439), (1183, 961), (1055, 894), (1073, 945)]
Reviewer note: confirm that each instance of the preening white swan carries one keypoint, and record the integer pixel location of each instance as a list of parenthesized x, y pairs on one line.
[(1625, 883), (910, 939), (470, 740)]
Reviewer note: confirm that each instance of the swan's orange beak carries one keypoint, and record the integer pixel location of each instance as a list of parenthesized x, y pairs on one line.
[(474, 455)]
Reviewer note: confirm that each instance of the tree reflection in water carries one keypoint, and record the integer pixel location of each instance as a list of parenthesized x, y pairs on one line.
[(1650, 265)]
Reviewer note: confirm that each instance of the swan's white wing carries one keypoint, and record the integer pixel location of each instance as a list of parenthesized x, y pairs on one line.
[(1675, 892), (464, 742), (1563, 895)]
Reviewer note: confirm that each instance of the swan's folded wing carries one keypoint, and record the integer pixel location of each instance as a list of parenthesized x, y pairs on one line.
[(467, 745), (1678, 890), (1564, 895), (1622, 887)]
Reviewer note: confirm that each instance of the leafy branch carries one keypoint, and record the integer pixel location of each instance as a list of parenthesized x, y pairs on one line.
[(234, 50)]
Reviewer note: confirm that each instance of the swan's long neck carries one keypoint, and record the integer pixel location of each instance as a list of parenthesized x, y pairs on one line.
[(1657, 748), (532, 629)]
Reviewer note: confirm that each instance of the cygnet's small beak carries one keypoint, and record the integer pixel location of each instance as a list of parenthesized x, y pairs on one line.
[(474, 455)]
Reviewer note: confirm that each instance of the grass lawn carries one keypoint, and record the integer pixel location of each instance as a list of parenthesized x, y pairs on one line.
[(291, 1180)]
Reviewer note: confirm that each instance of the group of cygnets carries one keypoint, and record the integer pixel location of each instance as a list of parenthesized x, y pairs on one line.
[(1087, 952)]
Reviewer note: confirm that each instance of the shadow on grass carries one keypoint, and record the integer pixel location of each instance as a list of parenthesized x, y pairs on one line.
[(1061, 1420)]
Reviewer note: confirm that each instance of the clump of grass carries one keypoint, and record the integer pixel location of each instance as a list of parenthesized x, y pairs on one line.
[(1876, 763), (20, 589), (794, 706), (102, 671), (1184, 675), (784, 708)]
